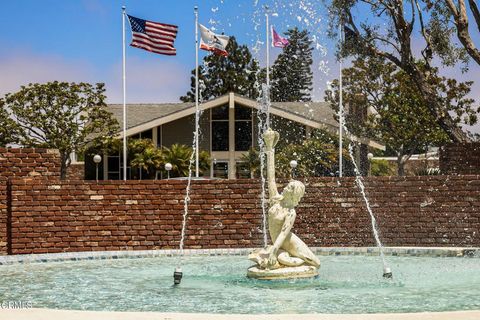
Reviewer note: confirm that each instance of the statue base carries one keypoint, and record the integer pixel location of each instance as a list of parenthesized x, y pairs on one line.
[(282, 273)]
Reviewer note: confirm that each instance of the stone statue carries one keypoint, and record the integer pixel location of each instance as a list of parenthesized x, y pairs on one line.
[(289, 256)]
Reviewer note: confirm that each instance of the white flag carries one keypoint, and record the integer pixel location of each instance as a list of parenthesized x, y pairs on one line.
[(210, 41)]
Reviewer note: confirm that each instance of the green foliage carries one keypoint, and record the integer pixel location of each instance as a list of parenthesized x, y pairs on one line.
[(381, 168), (145, 155), (291, 76), (252, 161), (59, 115), (401, 117), (8, 129), (388, 30), (220, 75), (316, 156), (179, 156)]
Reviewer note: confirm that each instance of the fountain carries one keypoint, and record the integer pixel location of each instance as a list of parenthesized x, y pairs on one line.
[(288, 257)]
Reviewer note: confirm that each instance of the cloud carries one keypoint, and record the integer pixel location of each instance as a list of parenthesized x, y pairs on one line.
[(151, 81), (148, 81), (22, 67)]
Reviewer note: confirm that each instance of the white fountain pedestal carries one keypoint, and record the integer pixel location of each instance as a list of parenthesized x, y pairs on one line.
[(282, 273)]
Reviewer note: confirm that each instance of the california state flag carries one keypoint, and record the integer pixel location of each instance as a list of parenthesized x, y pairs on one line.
[(210, 41)]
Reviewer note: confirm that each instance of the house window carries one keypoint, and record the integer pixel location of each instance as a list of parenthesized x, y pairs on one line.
[(147, 134), (243, 171), (243, 128), (113, 163), (220, 128), (220, 170)]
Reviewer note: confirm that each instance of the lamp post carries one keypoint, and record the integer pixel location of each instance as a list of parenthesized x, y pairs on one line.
[(168, 167), (293, 165), (97, 159), (370, 157)]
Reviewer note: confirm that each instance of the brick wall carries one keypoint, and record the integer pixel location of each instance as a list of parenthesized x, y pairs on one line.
[(76, 171), (460, 158), (26, 162), (54, 216)]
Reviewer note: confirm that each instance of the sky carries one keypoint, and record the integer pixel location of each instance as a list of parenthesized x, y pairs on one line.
[(81, 40)]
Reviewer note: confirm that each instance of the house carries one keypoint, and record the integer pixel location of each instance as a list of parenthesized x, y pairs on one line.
[(228, 126)]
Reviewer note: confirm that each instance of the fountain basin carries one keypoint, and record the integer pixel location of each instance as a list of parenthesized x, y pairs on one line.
[(218, 284)]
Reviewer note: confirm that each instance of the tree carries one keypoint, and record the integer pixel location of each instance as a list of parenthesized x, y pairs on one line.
[(291, 78), (386, 29), (442, 14), (60, 115), (316, 156), (8, 128), (180, 155), (401, 118), (145, 155), (220, 75)]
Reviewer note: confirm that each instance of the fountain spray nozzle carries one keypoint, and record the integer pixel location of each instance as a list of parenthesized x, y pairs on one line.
[(387, 273), (177, 276)]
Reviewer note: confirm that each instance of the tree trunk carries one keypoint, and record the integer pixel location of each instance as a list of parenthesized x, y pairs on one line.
[(65, 163), (400, 166)]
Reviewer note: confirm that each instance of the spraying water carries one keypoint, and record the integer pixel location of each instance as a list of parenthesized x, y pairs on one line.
[(311, 16), (387, 273), (262, 115)]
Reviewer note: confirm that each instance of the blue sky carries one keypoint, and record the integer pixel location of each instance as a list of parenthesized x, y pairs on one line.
[(80, 40)]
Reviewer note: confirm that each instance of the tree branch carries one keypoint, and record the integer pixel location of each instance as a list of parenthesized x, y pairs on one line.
[(475, 11), (461, 21), (427, 52)]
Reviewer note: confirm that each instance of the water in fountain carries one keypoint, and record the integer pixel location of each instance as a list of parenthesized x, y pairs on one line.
[(262, 115), (178, 270), (387, 273), (311, 16)]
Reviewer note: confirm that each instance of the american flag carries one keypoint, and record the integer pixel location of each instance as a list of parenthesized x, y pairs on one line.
[(153, 36)]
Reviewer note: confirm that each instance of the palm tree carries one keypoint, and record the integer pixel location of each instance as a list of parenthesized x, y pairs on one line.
[(252, 160), (145, 155), (179, 155)]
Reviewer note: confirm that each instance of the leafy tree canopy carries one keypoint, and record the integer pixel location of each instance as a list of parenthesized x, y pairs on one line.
[(291, 76), (388, 29), (59, 115), (220, 75), (400, 116)]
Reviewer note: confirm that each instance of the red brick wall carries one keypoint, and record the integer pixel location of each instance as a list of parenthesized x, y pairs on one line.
[(76, 171), (3, 216), (460, 158), (22, 162), (53, 216)]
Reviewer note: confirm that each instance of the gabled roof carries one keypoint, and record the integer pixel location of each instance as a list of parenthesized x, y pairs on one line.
[(141, 117), (138, 114)]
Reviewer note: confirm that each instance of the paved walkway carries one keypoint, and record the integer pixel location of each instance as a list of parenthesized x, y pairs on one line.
[(49, 314)]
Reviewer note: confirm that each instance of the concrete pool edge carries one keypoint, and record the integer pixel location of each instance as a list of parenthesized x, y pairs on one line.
[(321, 251), (53, 314)]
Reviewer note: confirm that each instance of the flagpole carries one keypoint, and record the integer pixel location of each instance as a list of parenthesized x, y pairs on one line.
[(268, 66), (197, 113), (340, 111), (124, 99)]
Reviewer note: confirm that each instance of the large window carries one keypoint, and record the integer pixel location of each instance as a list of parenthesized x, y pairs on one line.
[(243, 128), (243, 171), (220, 169), (220, 128)]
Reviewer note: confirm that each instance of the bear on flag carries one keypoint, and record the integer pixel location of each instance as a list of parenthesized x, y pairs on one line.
[(213, 42)]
